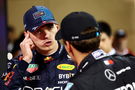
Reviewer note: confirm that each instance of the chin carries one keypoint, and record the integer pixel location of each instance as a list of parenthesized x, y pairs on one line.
[(46, 48)]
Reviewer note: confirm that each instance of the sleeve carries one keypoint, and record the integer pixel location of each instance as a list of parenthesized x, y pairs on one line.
[(2, 86), (13, 77)]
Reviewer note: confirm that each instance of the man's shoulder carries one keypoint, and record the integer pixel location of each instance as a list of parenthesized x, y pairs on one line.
[(95, 75), (106, 71), (109, 64), (16, 59), (114, 65)]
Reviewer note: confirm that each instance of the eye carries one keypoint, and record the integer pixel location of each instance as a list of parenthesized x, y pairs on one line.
[(103, 40), (39, 31), (49, 26)]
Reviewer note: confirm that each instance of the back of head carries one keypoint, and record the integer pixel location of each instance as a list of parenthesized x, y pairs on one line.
[(105, 28), (87, 45), (80, 29), (120, 33), (119, 36)]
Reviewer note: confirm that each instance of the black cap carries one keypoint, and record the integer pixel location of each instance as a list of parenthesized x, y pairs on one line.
[(74, 23)]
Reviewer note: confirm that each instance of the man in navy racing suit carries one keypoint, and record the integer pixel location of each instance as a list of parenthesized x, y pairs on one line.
[(44, 63)]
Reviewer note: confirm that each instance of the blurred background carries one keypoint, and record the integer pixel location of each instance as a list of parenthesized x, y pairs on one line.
[(120, 14), (3, 35)]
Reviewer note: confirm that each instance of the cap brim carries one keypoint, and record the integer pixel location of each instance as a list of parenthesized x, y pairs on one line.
[(48, 22), (58, 35)]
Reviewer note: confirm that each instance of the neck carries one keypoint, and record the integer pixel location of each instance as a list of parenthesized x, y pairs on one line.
[(49, 52), (109, 50), (78, 56), (122, 49)]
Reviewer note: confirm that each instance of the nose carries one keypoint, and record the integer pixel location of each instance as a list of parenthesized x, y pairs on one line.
[(45, 34)]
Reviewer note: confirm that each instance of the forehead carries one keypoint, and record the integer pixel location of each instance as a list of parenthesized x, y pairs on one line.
[(104, 35)]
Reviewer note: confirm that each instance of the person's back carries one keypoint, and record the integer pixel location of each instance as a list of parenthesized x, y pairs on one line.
[(96, 70), (108, 73)]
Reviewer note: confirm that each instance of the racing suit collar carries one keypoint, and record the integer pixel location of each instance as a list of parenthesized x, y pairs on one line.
[(90, 59), (46, 59)]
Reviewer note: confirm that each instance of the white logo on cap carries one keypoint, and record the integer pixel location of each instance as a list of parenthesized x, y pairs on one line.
[(38, 14), (34, 28), (75, 37)]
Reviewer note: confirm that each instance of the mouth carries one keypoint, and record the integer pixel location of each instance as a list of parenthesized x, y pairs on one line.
[(47, 43)]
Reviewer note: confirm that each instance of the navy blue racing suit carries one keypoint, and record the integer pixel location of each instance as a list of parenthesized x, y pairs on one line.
[(43, 73)]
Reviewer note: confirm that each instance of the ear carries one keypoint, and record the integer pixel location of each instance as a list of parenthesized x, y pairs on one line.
[(57, 26), (69, 48), (112, 38)]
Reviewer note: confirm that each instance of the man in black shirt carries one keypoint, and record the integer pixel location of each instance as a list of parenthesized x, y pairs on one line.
[(96, 71)]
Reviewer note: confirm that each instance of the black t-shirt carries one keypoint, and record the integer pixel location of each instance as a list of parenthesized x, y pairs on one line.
[(100, 72)]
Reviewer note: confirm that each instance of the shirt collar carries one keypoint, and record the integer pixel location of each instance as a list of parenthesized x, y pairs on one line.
[(90, 59), (46, 59), (112, 52)]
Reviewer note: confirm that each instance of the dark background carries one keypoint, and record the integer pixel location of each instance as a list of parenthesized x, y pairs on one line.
[(3, 36)]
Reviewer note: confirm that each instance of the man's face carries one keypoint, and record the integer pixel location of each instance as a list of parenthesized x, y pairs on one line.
[(44, 37), (106, 42)]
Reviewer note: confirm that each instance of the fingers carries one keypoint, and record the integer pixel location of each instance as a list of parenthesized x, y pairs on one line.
[(32, 46), (26, 34), (27, 42), (26, 47), (27, 39)]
